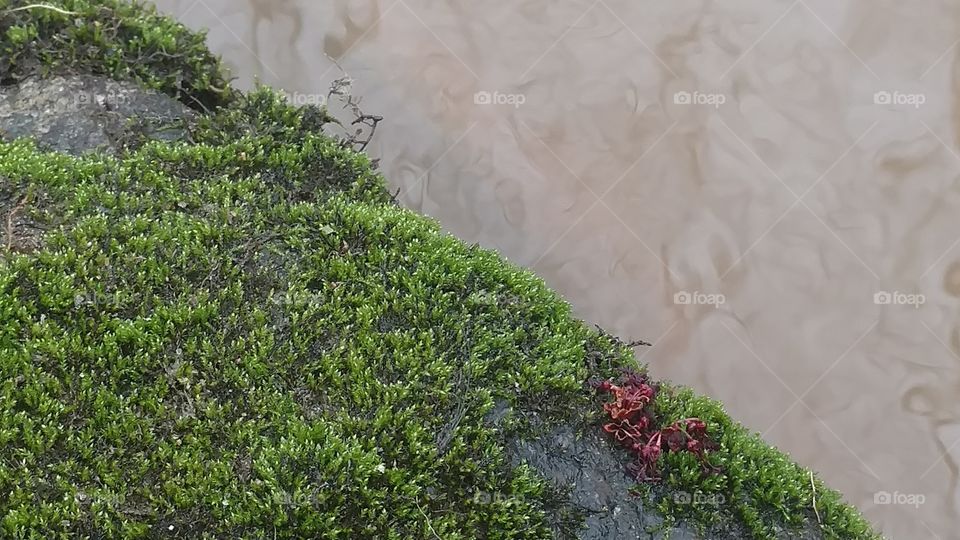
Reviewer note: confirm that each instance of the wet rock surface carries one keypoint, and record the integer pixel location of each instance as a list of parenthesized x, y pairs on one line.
[(587, 466), (578, 460), (81, 113)]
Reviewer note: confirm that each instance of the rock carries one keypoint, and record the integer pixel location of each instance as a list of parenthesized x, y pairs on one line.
[(592, 473), (81, 113), (580, 462)]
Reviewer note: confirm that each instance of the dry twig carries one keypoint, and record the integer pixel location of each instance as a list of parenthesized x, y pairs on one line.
[(11, 216), (39, 6), (814, 489)]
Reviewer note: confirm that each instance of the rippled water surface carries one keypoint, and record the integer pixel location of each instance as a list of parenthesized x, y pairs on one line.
[(767, 190)]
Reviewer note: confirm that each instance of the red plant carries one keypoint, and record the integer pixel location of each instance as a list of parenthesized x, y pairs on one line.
[(634, 425)]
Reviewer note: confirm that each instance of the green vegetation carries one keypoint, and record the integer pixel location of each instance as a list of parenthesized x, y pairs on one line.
[(760, 487), (219, 354), (119, 39), (243, 336)]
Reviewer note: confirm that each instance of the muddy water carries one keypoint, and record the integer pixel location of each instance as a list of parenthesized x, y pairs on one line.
[(769, 191)]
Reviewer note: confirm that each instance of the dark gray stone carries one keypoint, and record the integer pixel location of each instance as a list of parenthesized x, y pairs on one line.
[(577, 459), (81, 113)]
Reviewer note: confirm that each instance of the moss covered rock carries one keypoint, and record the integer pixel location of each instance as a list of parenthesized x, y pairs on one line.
[(240, 334), (82, 112)]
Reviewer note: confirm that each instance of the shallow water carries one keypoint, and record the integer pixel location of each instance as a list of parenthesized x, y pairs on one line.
[(796, 161)]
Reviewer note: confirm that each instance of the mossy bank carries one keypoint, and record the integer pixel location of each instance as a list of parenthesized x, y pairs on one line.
[(238, 333)]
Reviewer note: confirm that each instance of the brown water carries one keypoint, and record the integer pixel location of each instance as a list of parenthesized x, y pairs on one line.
[(781, 180)]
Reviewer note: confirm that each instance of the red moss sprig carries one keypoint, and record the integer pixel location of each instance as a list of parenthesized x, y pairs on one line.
[(634, 426)]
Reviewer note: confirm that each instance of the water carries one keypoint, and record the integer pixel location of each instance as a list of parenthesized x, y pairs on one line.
[(793, 167)]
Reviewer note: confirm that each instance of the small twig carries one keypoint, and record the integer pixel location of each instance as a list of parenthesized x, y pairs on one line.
[(184, 92), (41, 6), (369, 120), (340, 88), (11, 216), (450, 429), (424, 514), (814, 489)]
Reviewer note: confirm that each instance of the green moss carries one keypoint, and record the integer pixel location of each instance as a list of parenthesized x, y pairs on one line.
[(168, 360), (243, 336), (109, 37), (759, 487), (262, 113)]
